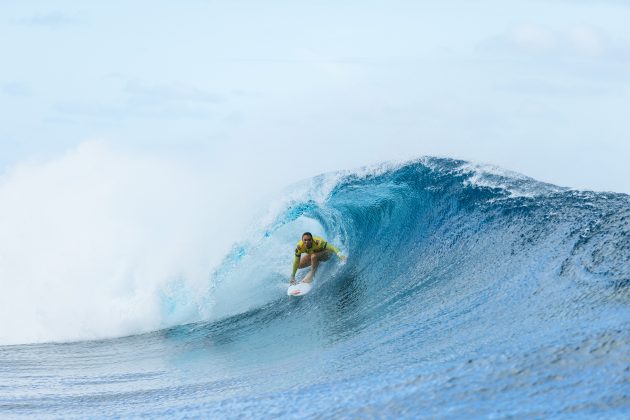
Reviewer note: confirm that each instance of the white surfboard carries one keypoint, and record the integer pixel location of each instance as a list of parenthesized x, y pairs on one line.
[(299, 289)]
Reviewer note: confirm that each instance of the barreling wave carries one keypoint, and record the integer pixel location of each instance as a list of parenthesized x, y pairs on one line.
[(468, 291), (445, 221)]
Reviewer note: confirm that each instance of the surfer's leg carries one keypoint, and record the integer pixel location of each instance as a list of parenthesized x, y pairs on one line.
[(324, 255), (315, 259), (305, 261), (313, 262)]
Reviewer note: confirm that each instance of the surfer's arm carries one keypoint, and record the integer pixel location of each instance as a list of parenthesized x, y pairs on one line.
[(335, 250), (296, 264)]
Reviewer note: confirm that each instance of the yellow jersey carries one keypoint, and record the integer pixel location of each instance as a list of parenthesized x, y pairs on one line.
[(319, 245)]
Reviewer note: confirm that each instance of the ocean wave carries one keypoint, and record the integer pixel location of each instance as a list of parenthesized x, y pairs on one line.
[(466, 292)]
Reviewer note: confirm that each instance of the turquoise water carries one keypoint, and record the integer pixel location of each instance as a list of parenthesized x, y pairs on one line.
[(466, 293)]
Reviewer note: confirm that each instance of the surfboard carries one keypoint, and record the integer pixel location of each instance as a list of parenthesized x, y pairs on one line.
[(299, 289)]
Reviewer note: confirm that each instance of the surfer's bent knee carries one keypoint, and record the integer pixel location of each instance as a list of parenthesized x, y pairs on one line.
[(324, 255), (305, 261)]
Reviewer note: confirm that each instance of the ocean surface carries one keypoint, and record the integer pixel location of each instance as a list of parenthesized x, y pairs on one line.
[(468, 292)]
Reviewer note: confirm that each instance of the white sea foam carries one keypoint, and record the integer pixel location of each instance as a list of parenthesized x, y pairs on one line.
[(99, 243), (514, 183)]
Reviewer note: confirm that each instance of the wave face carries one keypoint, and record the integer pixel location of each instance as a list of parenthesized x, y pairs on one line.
[(468, 291)]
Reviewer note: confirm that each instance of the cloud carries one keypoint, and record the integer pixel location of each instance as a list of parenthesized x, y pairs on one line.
[(539, 86), (596, 2), (170, 93), (15, 89), (586, 40), (50, 19), (141, 100), (126, 109), (535, 39)]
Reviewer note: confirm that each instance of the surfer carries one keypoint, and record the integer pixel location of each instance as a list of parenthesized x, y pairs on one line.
[(316, 249)]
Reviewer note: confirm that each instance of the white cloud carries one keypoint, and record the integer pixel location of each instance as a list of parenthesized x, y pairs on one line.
[(533, 38), (49, 19), (146, 100), (170, 92), (16, 89), (586, 40)]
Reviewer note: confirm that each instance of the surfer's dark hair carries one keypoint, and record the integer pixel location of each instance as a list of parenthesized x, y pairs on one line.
[(307, 233)]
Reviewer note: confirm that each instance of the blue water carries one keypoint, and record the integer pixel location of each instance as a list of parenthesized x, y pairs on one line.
[(467, 292)]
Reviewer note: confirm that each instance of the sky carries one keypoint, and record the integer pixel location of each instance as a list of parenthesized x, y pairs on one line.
[(290, 89), (138, 139)]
